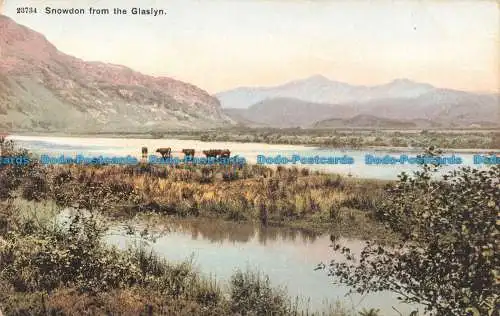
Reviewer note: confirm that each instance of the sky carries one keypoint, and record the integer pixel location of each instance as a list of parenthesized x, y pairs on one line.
[(223, 44)]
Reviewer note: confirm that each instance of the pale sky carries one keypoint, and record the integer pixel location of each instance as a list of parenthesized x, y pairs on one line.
[(222, 44)]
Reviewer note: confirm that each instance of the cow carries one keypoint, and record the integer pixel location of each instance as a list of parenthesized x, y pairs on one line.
[(144, 151), (164, 152), (188, 152), (211, 153), (222, 153)]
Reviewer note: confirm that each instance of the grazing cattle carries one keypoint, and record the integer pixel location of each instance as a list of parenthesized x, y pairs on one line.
[(222, 153), (164, 152), (188, 152), (211, 153), (144, 151), (3, 139)]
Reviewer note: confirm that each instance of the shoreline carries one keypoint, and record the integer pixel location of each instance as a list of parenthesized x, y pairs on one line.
[(312, 146)]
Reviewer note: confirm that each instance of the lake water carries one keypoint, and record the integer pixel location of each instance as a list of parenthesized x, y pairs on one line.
[(287, 256), (71, 146)]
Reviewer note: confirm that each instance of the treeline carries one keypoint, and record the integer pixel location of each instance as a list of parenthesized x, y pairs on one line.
[(346, 138)]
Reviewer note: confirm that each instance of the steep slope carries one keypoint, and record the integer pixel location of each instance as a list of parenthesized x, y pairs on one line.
[(44, 89)]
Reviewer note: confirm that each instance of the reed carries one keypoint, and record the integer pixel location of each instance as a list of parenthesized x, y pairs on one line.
[(52, 270)]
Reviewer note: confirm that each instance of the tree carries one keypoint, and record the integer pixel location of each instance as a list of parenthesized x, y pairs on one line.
[(448, 232)]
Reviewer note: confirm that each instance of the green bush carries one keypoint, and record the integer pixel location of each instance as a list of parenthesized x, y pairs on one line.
[(252, 294), (445, 259)]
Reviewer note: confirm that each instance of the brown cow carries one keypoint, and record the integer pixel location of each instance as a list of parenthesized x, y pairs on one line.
[(211, 153), (225, 153), (222, 153), (144, 151), (188, 152), (164, 152)]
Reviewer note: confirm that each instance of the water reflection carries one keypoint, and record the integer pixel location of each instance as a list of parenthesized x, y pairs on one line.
[(222, 231), (287, 256)]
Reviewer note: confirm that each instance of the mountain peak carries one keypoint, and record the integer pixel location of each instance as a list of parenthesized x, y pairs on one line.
[(319, 80), (402, 80), (406, 82), (316, 82), (318, 77)]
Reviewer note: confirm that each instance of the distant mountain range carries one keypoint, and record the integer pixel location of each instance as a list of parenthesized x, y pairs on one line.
[(304, 103), (43, 89), (319, 89)]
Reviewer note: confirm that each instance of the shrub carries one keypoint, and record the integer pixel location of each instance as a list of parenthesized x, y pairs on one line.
[(252, 294), (445, 259), (35, 188)]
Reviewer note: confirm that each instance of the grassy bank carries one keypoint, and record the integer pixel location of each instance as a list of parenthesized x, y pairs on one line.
[(280, 197), (49, 269), (353, 138), (270, 196), (343, 138)]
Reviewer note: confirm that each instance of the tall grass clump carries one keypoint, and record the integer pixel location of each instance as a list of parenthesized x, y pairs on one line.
[(252, 294)]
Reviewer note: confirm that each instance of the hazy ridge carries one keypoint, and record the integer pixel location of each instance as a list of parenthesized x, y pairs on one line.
[(318, 101)]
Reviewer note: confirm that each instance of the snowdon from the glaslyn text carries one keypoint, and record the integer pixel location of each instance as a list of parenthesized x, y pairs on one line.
[(93, 11)]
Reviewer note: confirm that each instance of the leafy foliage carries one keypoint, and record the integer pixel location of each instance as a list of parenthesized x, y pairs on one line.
[(369, 312), (445, 259), (252, 294)]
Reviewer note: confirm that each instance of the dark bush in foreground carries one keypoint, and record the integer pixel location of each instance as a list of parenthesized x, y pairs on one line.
[(446, 258)]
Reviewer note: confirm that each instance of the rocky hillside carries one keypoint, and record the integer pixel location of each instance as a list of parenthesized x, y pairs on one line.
[(43, 89)]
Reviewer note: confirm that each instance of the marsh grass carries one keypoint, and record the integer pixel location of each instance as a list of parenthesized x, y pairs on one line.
[(278, 196), (46, 270), (281, 196)]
